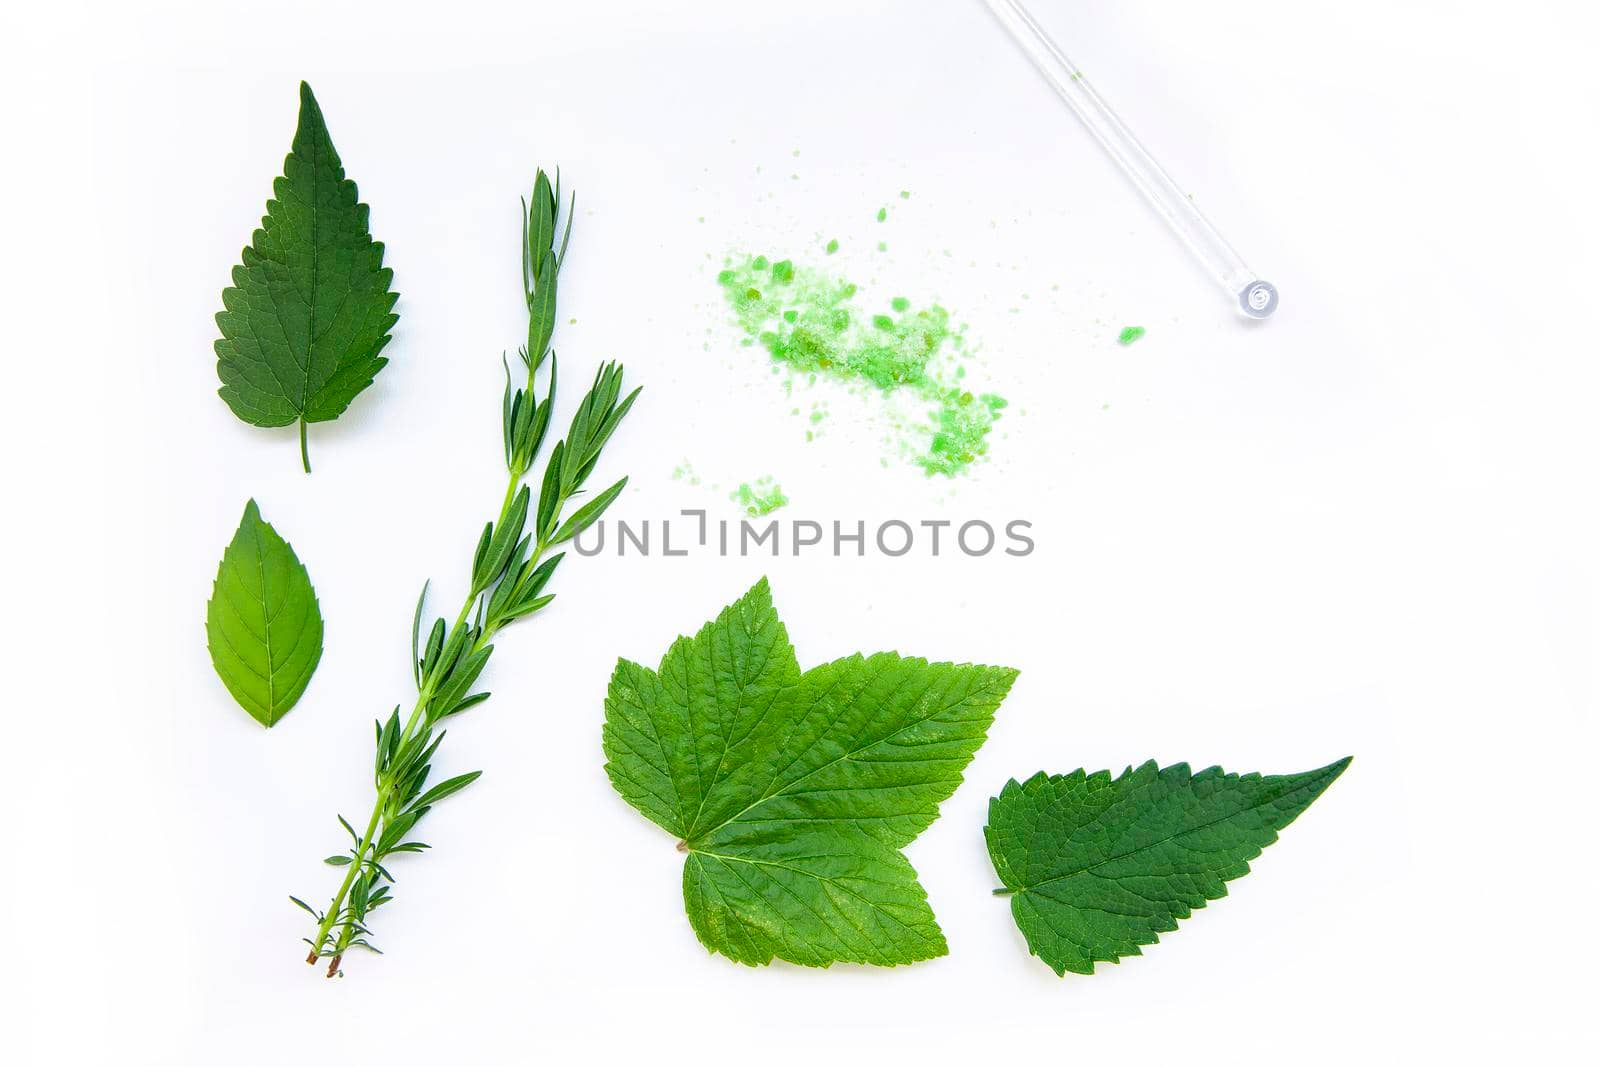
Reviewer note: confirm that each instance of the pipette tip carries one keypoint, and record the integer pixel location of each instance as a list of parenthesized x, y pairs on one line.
[(1259, 299)]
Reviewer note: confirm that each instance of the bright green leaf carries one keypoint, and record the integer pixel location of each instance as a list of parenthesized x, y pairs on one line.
[(445, 788), (1098, 866), (310, 308), (263, 626), (586, 516), (792, 792)]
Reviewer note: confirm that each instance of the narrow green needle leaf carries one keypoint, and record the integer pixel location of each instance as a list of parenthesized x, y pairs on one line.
[(263, 626), (445, 788), (315, 914), (589, 514), (1096, 867), (416, 629)]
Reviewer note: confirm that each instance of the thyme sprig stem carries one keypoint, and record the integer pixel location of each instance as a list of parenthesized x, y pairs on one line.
[(510, 568)]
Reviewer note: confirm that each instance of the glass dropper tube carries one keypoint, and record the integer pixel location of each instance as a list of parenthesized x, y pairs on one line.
[(1256, 297)]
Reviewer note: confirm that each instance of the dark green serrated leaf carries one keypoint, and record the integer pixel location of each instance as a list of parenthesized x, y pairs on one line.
[(1097, 867), (310, 308), (792, 793), (263, 626)]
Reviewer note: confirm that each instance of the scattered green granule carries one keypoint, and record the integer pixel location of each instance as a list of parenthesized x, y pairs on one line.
[(684, 472), (809, 323), (962, 422), (883, 213), (762, 498), (833, 246), (1130, 334), (905, 194)]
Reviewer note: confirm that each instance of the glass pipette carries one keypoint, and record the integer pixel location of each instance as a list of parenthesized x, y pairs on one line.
[(1257, 298)]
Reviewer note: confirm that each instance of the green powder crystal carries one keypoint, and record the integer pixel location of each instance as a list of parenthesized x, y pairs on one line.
[(809, 323), (1130, 334), (833, 246), (762, 498), (883, 213), (962, 421)]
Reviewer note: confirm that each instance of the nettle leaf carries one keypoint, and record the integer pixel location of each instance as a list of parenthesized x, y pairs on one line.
[(310, 308), (263, 626), (792, 792), (1097, 867)]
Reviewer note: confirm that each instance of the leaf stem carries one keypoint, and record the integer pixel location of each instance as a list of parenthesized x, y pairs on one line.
[(305, 457), (351, 869)]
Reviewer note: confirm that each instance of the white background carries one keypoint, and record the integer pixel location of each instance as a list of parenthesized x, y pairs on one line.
[(1367, 526)]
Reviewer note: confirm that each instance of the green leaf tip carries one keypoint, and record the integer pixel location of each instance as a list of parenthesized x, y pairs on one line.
[(311, 304), (1097, 866), (792, 792), (263, 624)]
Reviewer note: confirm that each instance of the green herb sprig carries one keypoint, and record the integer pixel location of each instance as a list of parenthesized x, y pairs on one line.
[(510, 569)]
